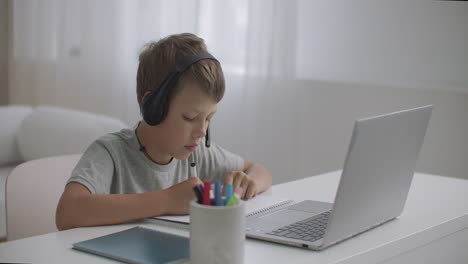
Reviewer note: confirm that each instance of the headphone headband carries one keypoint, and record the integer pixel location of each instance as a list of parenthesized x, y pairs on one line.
[(185, 62)]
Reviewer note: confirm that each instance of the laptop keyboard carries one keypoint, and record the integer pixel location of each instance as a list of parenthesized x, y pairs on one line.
[(310, 229)]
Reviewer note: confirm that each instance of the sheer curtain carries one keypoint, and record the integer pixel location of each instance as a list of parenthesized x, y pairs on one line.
[(83, 55)]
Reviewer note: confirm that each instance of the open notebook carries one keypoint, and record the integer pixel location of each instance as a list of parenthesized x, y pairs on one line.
[(260, 204)]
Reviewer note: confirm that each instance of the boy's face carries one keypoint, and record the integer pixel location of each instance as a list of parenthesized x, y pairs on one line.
[(185, 125)]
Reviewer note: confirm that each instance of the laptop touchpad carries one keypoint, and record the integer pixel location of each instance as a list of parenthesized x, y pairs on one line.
[(282, 218)]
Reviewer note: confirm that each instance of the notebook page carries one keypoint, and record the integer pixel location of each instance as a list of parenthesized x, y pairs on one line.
[(264, 203), (259, 204)]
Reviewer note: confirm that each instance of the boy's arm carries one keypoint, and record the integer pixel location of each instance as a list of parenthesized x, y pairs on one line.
[(260, 175), (78, 207)]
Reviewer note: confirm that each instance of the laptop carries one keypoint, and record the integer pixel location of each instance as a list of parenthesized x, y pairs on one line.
[(373, 188)]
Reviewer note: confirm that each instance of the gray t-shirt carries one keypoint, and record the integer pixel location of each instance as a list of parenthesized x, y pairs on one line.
[(113, 164)]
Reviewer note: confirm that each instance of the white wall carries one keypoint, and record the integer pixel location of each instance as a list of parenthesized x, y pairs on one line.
[(418, 44), (311, 135), (4, 52)]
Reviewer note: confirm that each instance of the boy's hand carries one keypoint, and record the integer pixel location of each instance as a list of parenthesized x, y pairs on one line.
[(240, 179), (180, 195)]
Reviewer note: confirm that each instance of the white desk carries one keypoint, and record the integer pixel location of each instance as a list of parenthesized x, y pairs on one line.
[(432, 229)]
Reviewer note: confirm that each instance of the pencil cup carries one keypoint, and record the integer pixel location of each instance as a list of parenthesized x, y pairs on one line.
[(217, 233)]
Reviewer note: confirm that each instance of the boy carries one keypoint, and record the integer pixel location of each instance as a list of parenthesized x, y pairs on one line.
[(144, 172)]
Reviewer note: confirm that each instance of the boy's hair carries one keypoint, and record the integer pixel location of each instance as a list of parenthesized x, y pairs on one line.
[(158, 59)]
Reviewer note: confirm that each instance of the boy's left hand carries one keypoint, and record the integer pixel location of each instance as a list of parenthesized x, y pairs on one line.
[(241, 179)]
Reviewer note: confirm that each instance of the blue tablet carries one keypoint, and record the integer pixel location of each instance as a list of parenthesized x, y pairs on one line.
[(138, 245)]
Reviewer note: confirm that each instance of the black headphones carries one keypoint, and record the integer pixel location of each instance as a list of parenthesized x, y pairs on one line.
[(156, 104)]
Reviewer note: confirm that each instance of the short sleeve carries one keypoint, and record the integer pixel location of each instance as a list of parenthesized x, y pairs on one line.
[(214, 162), (95, 169)]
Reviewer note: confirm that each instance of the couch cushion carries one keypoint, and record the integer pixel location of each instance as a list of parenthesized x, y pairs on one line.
[(10, 121), (30, 210), (52, 131)]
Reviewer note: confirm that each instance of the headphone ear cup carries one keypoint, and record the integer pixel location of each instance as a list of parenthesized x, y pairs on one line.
[(152, 110), (155, 107)]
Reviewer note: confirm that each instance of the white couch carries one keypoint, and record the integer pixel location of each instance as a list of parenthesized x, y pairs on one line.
[(29, 133)]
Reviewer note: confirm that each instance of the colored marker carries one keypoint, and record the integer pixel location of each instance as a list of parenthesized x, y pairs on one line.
[(206, 193), (228, 192), (218, 194), (234, 199), (198, 194)]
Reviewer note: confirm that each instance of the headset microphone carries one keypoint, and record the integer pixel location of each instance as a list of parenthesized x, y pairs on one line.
[(207, 137)]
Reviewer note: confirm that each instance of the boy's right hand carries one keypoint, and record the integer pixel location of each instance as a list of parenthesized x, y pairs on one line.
[(180, 195)]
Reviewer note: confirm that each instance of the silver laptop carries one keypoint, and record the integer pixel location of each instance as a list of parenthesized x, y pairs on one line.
[(373, 187)]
